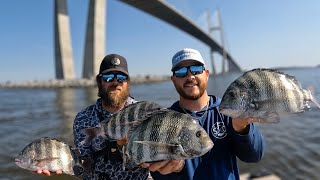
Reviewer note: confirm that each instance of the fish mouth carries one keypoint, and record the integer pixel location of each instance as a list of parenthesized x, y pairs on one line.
[(207, 146), (17, 161)]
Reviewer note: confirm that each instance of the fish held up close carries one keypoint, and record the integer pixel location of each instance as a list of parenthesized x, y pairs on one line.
[(51, 154), (167, 135), (154, 133), (265, 94)]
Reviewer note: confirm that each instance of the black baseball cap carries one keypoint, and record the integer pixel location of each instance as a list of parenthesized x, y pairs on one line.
[(114, 62)]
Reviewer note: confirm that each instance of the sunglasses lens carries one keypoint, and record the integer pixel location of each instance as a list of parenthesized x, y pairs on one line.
[(108, 77), (196, 70), (122, 78), (182, 72)]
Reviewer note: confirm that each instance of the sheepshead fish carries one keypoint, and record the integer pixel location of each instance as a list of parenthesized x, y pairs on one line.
[(117, 126), (51, 154), (154, 133), (266, 94), (167, 135)]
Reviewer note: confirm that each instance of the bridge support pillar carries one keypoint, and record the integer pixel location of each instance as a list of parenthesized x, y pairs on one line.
[(213, 67), (94, 49), (63, 51)]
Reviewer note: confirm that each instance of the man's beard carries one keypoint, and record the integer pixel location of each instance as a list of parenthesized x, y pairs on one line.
[(202, 88), (114, 100)]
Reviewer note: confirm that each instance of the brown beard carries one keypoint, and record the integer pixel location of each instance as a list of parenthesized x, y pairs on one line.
[(114, 100), (202, 88)]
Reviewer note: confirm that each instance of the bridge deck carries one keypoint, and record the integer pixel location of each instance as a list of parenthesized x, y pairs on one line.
[(163, 11)]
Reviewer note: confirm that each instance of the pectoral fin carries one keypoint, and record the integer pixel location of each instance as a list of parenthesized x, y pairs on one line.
[(43, 162), (163, 148), (270, 117), (152, 143)]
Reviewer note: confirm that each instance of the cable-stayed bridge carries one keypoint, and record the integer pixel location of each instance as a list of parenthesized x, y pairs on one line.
[(95, 35)]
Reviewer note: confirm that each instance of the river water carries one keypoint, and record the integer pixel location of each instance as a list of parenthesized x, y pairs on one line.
[(293, 145)]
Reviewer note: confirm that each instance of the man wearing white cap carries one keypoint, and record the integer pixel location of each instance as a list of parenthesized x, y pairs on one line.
[(232, 138)]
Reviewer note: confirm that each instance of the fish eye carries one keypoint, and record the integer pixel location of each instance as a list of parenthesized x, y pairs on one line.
[(232, 94), (198, 134)]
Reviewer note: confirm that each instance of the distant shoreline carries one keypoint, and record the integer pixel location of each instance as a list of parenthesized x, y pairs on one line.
[(78, 83)]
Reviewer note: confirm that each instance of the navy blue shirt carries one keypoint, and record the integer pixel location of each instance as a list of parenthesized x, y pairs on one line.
[(221, 161)]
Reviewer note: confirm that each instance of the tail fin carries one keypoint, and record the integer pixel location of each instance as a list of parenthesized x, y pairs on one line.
[(312, 98), (86, 164), (91, 133), (82, 164)]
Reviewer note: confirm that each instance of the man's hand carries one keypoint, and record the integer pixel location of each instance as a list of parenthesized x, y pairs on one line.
[(122, 142), (165, 167), (46, 172), (240, 125)]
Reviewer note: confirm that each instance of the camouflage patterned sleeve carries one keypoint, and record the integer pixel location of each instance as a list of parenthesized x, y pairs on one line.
[(81, 122)]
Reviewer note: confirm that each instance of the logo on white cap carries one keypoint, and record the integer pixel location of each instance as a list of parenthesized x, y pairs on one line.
[(186, 54)]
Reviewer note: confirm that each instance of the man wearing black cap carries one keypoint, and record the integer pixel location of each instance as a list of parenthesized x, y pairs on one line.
[(114, 91)]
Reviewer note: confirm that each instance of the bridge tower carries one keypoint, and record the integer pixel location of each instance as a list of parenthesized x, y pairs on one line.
[(64, 67), (94, 49), (222, 41)]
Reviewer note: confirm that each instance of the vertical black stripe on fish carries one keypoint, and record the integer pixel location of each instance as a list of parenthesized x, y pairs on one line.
[(279, 92), (136, 110), (43, 148), (56, 152), (173, 129), (254, 83), (113, 125), (48, 151), (124, 119), (156, 133), (143, 133), (270, 86)]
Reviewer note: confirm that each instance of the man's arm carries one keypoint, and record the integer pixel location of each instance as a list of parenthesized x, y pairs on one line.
[(248, 142)]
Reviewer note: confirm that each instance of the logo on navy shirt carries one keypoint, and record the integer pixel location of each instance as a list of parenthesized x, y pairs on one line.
[(219, 130)]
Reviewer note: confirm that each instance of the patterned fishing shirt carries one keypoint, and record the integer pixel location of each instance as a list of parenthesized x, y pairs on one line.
[(105, 154)]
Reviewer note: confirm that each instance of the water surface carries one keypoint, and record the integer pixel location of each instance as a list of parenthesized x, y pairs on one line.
[(27, 114)]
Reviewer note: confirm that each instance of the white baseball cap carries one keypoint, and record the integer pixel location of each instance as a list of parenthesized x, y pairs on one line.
[(186, 54)]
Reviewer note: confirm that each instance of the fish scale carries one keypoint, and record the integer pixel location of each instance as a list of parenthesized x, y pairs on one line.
[(265, 94)]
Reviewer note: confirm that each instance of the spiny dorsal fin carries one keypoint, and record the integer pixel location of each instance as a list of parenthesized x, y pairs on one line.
[(293, 78)]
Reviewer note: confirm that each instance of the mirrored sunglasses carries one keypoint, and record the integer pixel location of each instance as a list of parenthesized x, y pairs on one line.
[(110, 77), (183, 71)]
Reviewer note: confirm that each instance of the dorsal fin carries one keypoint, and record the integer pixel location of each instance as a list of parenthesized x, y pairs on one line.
[(293, 78)]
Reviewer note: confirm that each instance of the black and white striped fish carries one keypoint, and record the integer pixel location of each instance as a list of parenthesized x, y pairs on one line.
[(154, 133), (265, 94), (51, 154), (117, 126), (167, 135)]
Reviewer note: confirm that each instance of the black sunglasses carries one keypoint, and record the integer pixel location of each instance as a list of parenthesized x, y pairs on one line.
[(110, 77), (194, 70)]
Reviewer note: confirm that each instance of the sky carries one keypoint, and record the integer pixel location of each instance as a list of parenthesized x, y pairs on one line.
[(258, 34)]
